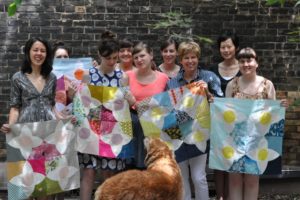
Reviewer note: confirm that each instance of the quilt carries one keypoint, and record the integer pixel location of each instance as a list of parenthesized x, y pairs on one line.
[(180, 117), (41, 159), (246, 136), (104, 123), (68, 71)]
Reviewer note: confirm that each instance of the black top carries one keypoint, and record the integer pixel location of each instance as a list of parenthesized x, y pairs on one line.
[(214, 68)]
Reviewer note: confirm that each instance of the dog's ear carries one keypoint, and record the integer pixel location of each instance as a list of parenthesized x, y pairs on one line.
[(147, 142)]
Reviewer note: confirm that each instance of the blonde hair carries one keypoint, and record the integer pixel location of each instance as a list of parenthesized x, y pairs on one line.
[(188, 47)]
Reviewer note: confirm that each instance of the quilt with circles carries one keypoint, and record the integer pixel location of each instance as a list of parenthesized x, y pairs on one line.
[(104, 125), (41, 159), (180, 117), (246, 136)]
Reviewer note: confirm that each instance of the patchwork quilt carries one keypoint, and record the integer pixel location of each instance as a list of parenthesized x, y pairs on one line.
[(179, 116), (104, 122), (67, 71), (246, 136), (41, 159)]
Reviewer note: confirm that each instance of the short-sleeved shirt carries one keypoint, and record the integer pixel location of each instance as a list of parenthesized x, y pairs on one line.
[(33, 105)]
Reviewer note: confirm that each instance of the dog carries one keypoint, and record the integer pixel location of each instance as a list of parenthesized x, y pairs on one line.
[(160, 181)]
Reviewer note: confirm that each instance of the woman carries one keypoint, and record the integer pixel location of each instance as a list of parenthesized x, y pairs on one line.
[(168, 50), (125, 55), (60, 50), (104, 74), (143, 82), (228, 44), (193, 159), (248, 86), (33, 88)]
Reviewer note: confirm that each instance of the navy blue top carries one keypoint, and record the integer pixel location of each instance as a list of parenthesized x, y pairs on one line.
[(187, 151), (112, 79)]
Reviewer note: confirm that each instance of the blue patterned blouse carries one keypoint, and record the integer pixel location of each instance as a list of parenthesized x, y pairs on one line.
[(112, 79)]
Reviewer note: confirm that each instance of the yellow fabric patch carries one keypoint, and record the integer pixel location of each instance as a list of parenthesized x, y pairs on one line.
[(265, 118), (156, 113), (229, 116), (262, 154), (203, 114), (188, 102), (199, 136), (228, 152), (150, 130), (103, 94), (14, 169), (127, 128)]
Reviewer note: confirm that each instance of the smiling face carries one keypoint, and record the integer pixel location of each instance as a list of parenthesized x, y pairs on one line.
[(189, 62), (125, 55), (248, 66), (169, 54), (142, 59), (37, 54), (247, 61), (227, 49)]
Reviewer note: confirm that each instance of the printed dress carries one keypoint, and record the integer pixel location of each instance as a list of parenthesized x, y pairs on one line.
[(34, 106), (112, 79)]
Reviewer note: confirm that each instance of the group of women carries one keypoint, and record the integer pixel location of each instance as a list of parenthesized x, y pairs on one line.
[(125, 64)]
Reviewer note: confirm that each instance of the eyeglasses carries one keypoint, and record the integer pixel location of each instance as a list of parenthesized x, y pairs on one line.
[(62, 56)]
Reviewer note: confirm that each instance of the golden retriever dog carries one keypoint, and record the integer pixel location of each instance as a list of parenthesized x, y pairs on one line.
[(160, 181)]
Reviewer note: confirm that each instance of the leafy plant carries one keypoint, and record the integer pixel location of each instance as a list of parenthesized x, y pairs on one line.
[(12, 8), (178, 21), (294, 36)]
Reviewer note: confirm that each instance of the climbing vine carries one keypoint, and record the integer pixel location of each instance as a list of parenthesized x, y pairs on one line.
[(178, 26)]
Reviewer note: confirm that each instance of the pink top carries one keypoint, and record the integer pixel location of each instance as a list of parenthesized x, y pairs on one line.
[(141, 91)]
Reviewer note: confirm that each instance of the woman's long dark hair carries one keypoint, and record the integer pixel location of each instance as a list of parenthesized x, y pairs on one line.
[(46, 66)]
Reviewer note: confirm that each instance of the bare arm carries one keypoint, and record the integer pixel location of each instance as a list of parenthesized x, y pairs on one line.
[(272, 94), (128, 95), (12, 119), (228, 91)]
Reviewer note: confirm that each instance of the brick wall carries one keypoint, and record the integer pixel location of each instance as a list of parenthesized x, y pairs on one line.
[(79, 23)]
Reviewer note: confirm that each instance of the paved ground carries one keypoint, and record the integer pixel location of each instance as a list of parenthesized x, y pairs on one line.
[(280, 187)]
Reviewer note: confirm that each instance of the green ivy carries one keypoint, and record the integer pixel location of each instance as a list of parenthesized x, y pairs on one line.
[(294, 35), (12, 8), (178, 20)]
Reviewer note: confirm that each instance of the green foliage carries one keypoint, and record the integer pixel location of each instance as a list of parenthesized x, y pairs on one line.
[(12, 8), (174, 19), (178, 21), (273, 2), (294, 36), (281, 2)]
